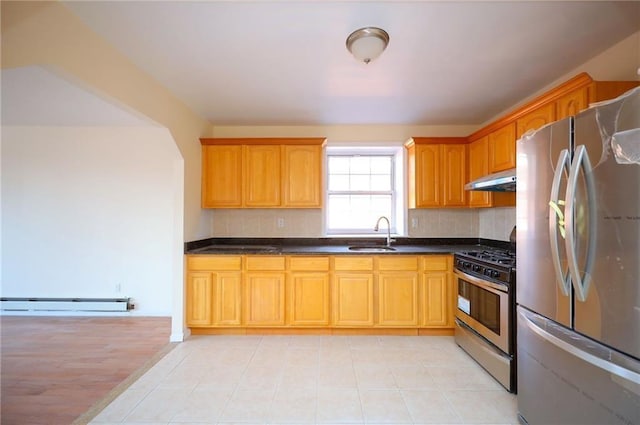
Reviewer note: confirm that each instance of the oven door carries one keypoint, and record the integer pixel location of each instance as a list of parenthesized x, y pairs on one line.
[(484, 307)]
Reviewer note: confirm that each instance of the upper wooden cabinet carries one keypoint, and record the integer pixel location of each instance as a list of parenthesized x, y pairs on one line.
[(536, 119), (502, 148), (302, 176), (568, 98), (262, 173), (262, 179), (221, 176), (454, 172), (425, 183), (479, 167), (567, 102), (572, 103), (478, 154), (436, 172), (579, 99)]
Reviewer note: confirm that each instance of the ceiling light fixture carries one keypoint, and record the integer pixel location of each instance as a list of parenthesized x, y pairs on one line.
[(366, 44)]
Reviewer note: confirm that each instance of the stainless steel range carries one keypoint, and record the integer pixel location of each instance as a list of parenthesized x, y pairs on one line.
[(486, 310)]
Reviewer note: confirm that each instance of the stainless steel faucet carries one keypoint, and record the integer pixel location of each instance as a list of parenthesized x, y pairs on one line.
[(388, 229)]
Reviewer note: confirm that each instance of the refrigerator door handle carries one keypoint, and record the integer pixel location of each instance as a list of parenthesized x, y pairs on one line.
[(580, 282), (556, 220), (567, 343)]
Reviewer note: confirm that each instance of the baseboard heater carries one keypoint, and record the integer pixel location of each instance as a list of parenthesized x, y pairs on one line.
[(65, 304)]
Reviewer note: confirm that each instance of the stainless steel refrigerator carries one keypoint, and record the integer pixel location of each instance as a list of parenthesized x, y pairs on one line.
[(578, 268)]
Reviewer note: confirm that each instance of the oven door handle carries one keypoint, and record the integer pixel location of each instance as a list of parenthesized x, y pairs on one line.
[(489, 286)]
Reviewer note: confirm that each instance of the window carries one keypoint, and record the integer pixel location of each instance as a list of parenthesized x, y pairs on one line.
[(363, 186)]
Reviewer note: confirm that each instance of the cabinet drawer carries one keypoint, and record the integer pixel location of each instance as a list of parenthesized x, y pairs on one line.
[(395, 262), (435, 262), (308, 263), (265, 263), (218, 262), (353, 263)]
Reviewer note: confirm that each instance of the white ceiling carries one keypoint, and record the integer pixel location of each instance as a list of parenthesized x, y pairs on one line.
[(285, 63)]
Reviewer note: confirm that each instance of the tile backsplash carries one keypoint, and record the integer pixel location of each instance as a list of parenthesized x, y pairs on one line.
[(496, 223), (268, 223), (490, 223), (443, 223)]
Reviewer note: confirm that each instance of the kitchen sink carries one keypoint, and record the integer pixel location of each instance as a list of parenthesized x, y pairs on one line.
[(371, 248)]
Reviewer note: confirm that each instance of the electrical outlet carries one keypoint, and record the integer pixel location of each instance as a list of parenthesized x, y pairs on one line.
[(280, 222), (414, 223)]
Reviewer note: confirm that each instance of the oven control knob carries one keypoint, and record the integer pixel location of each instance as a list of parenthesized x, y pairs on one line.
[(466, 265), (487, 272), (476, 268), (495, 273)]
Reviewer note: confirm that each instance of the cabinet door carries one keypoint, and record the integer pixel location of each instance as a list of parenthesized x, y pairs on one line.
[(437, 311), (479, 167), (308, 299), (262, 176), (536, 119), (221, 176), (302, 176), (353, 299), (228, 299), (428, 176), (199, 298), (571, 103), (398, 299), (437, 297), (264, 299), (454, 171), (502, 148)]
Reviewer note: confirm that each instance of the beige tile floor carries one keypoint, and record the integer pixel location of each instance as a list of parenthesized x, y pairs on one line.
[(314, 379)]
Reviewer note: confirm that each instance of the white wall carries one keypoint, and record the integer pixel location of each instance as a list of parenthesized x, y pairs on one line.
[(87, 209), (48, 34)]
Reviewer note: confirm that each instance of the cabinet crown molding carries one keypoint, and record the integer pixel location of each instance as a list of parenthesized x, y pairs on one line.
[(264, 141)]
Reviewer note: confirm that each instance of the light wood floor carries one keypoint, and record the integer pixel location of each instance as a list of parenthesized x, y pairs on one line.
[(54, 369)]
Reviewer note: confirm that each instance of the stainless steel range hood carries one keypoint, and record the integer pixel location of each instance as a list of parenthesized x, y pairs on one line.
[(504, 181)]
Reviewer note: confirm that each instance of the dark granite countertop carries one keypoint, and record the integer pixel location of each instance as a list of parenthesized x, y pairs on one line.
[(332, 246)]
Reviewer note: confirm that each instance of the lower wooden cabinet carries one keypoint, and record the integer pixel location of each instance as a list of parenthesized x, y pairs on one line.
[(213, 286), (352, 299), (308, 299), (437, 293), (342, 291), (264, 299), (213, 299), (398, 299), (227, 299), (199, 294)]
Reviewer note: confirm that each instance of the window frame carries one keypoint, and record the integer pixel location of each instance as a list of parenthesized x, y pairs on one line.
[(397, 192)]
